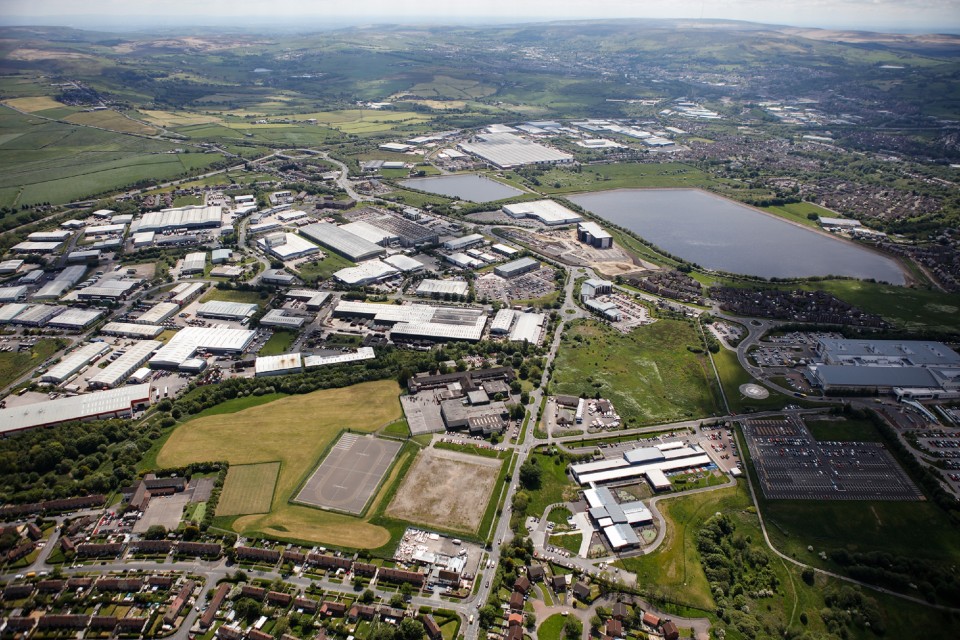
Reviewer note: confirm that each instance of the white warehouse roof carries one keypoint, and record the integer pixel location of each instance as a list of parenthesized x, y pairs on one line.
[(227, 310), (158, 313), (528, 327), (90, 405), (278, 365), (363, 353), (404, 263), (131, 330), (443, 287), (546, 211), (193, 216), (74, 361), (118, 370), (365, 273), (186, 342)]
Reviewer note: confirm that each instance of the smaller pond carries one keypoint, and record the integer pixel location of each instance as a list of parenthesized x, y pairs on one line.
[(472, 187)]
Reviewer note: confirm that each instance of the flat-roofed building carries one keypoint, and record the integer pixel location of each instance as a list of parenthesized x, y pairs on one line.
[(608, 310), (76, 319), (278, 318), (404, 263), (506, 150), (313, 299), (528, 328), (186, 291), (464, 242), (123, 367), (363, 353), (73, 362), (477, 419), (287, 246), (406, 232), (502, 322), (223, 310), (143, 239), (594, 235), (219, 256), (188, 341), (516, 268), (158, 313), (105, 230), (280, 365), (367, 272), (420, 322), (594, 287), (547, 212), (115, 403), (369, 232), (439, 288), (504, 250), (838, 223), (131, 330), (277, 277), (84, 257), (194, 263), (343, 242), (463, 261)]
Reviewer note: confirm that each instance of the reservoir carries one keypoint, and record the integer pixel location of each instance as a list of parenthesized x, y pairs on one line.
[(473, 188), (717, 233)]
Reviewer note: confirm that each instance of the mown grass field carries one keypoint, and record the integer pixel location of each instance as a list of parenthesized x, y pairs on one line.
[(248, 489), (732, 375), (231, 295), (278, 343), (294, 431), (552, 627), (844, 430), (322, 269), (798, 212), (649, 374)]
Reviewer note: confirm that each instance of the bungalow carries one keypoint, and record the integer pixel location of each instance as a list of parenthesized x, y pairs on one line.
[(559, 583), (516, 601), (515, 619), (536, 573), (651, 620), (620, 611), (670, 631)]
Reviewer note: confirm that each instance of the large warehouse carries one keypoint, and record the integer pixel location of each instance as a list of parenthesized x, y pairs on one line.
[(363, 353), (652, 462), (278, 319), (912, 368), (546, 211), (615, 519), (187, 342), (342, 242), (108, 290), (528, 328), (73, 362), (158, 313), (192, 217), (61, 283), (115, 403), (123, 367), (365, 273), (287, 246), (439, 288), (131, 330), (222, 310), (194, 263), (506, 151), (76, 319), (279, 365), (516, 268), (370, 233), (420, 321), (593, 234)]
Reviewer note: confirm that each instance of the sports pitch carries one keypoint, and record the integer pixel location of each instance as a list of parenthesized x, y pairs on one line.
[(248, 489), (349, 475)]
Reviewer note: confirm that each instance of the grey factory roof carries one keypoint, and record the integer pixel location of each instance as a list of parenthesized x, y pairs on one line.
[(343, 242), (228, 310), (369, 232), (9, 294), (76, 318), (194, 262), (404, 263), (443, 287), (158, 313), (121, 368), (35, 247), (293, 247), (363, 353), (10, 311), (279, 318), (593, 229), (38, 315), (108, 289), (365, 273), (911, 352), (49, 236), (182, 217), (464, 241), (131, 330), (546, 211), (279, 364), (186, 342), (503, 321), (509, 150), (519, 265), (528, 327), (848, 376), (74, 361), (72, 408)]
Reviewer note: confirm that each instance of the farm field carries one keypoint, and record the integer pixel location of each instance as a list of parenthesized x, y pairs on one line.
[(112, 120), (294, 431), (44, 161), (446, 489), (248, 489), (622, 176), (649, 374)]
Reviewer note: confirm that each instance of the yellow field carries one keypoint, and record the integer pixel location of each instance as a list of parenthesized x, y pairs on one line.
[(294, 430), (177, 118), (248, 489), (110, 120), (31, 105)]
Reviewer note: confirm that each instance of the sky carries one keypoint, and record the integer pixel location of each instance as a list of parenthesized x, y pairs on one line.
[(884, 15)]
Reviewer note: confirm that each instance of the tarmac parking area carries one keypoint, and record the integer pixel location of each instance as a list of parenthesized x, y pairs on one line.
[(791, 465)]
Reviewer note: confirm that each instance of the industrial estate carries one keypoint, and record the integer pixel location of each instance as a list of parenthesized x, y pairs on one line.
[(447, 362)]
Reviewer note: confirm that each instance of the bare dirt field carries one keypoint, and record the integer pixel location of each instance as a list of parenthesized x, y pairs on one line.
[(446, 489)]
